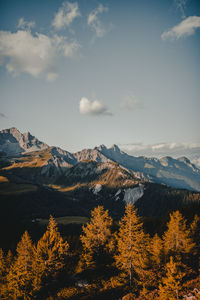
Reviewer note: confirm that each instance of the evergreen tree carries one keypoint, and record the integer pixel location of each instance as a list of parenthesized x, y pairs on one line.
[(171, 284), (156, 251), (195, 235), (5, 263), (2, 265), (49, 255), (96, 238), (132, 255), (20, 276), (8, 260), (177, 238), (2, 275), (156, 259)]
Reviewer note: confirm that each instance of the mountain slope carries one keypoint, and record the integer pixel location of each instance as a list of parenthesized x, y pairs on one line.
[(42, 166), (46, 164), (12, 141), (179, 173), (91, 173)]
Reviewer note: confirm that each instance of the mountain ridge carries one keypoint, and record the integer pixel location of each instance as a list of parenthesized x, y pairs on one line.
[(12, 142), (54, 161)]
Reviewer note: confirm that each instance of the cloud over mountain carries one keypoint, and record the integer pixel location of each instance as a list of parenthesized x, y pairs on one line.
[(191, 150), (92, 108)]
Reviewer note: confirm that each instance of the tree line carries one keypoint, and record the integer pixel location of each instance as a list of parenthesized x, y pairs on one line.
[(114, 260)]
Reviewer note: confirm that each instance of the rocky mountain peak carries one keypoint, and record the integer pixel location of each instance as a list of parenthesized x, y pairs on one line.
[(101, 148), (12, 142), (115, 148), (184, 160)]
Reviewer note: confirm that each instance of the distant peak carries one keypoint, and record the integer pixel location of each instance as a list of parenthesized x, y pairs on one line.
[(184, 159), (27, 134), (12, 129), (115, 148), (101, 147)]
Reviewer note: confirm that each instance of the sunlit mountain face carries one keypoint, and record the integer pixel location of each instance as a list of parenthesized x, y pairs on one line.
[(27, 155)]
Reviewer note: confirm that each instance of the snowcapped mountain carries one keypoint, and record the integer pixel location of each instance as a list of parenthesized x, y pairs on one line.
[(12, 141), (179, 172), (29, 156)]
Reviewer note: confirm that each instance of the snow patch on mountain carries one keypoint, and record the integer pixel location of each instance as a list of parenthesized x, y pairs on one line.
[(133, 194), (118, 192), (97, 188)]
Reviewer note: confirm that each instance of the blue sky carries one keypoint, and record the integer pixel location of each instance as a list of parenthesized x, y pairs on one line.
[(77, 74)]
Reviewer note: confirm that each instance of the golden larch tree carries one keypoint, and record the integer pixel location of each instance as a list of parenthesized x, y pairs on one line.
[(8, 260), (177, 239), (96, 238), (20, 276), (132, 242), (2, 265), (172, 283), (49, 255), (156, 259), (195, 235)]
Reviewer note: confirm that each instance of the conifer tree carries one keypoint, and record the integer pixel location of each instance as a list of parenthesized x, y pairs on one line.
[(49, 255), (171, 284), (96, 238), (132, 256), (2, 265), (156, 259), (177, 238), (2, 274), (8, 260), (195, 232), (20, 276), (195, 235), (156, 250), (5, 264)]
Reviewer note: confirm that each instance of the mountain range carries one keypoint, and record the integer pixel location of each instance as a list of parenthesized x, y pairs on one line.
[(37, 180), (25, 155)]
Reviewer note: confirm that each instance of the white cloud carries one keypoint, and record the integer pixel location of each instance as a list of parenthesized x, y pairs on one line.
[(22, 24), (190, 150), (51, 76), (131, 103), (33, 54), (186, 28), (71, 48), (92, 108), (66, 15), (26, 53), (94, 22)]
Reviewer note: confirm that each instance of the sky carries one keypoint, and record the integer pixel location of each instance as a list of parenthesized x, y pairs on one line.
[(77, 74)]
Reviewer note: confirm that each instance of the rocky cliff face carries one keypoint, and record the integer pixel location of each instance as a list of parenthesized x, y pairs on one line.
[(13, 142)]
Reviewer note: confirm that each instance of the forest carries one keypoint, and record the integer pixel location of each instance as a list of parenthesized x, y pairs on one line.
[(109, 260)]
